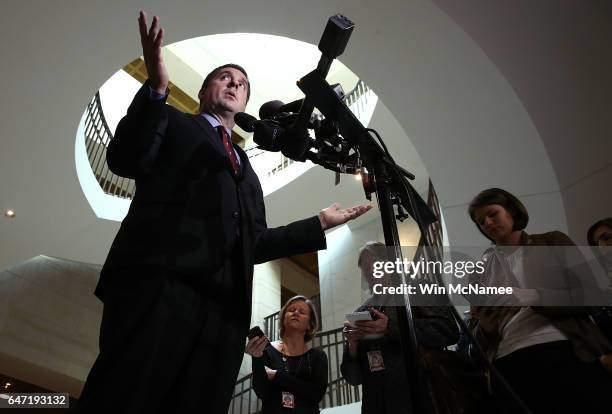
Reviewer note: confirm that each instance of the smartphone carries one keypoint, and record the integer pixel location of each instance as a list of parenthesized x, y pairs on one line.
[(255, 331), (358, 316)]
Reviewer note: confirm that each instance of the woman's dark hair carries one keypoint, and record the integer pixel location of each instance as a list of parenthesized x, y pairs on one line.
[(314, 319), (603, 222), (517, 210)]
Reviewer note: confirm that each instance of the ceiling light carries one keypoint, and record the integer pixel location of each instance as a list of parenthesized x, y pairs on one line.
[(9, 213)]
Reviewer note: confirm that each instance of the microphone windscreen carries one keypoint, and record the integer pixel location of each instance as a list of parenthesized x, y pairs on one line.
[(292, 106), (268, 136), (295, 145), (245, 121), (269, 109)]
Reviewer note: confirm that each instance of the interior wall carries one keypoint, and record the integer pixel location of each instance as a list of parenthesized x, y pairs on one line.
[(49, 323), (558, 60), (588, 201), (459, 111)]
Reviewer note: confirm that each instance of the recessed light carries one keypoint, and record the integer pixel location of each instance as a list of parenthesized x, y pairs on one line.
[(9, 213)]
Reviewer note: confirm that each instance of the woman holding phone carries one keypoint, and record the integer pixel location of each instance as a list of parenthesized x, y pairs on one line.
[(289, 375)]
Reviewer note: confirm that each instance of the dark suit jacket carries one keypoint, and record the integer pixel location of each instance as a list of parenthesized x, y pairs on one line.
[(189, 210)]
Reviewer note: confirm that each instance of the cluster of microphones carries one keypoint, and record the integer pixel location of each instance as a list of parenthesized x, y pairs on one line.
[(285, 128), (276, 131)]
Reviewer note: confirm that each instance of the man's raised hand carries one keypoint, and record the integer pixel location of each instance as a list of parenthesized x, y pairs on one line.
[(151, 40)]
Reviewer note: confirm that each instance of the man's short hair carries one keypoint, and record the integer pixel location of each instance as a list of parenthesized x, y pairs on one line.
[(215, 71), (372, 250), (517, 210)]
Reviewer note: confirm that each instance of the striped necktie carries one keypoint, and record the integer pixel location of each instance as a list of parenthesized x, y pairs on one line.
[(227, 144)]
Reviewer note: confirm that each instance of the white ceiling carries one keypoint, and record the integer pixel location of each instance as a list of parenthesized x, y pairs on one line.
[(271, 77), (482, 105)]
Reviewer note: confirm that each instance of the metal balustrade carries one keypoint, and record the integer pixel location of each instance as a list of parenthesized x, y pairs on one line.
[(97, 137), (339, 392)]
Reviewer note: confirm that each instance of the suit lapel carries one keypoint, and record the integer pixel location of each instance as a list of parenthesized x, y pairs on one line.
[(213, 136)]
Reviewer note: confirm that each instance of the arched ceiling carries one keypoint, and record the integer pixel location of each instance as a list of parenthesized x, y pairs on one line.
[(466, 115)]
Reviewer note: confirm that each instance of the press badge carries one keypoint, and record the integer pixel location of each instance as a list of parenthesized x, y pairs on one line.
[(375, 359), (288, 400)]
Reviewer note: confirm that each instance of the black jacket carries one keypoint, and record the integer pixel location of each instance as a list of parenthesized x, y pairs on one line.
[(190, 212), (385, 391)]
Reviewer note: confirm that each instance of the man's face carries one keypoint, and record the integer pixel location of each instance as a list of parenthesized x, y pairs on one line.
[(227, 92)]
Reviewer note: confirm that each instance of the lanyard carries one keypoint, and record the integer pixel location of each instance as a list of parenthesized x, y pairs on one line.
[(300, 360)]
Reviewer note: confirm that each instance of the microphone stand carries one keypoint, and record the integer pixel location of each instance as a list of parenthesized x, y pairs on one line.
[(393, 190), (385, 184)]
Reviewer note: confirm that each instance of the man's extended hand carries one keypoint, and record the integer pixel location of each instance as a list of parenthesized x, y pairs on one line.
[(151, 40), (333, 215)]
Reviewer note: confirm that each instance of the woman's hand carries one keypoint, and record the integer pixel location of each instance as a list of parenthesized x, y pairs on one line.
[(525, 297), (351, 333), (487, 317), (271, 373), (256, 346), (379, 326)]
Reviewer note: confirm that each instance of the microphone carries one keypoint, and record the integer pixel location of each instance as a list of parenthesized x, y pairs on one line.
[(276, 109), (270, 109), (267, 134), (295, 140), (280, 129), (295, 143), (292, 106), (245, 121)]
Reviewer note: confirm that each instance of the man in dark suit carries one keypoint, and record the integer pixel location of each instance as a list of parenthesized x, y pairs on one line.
[(176, 284)]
